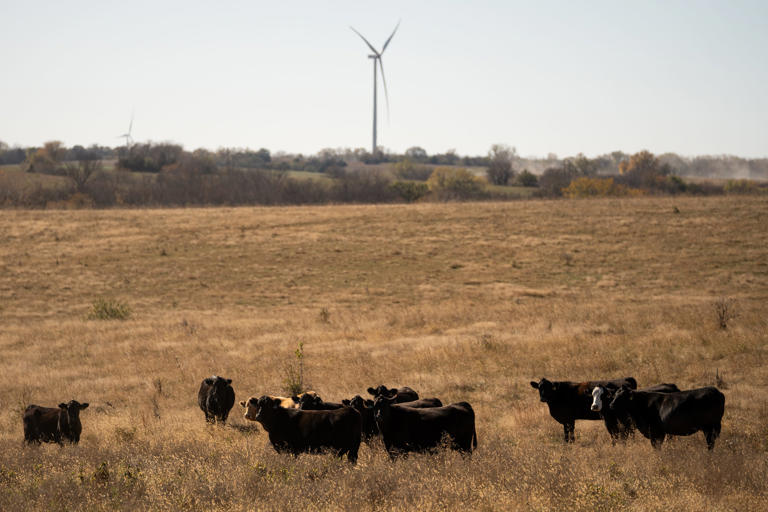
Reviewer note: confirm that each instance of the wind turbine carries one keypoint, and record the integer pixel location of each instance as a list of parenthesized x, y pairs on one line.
[(377, 58), (127, 135)]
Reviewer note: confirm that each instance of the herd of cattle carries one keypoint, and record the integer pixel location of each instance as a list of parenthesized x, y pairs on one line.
[(405, 422)]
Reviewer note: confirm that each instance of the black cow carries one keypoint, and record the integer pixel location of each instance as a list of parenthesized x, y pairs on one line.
[(216, 398), (315, 403), (406, 429), (657, 415), (570, 401), (53, 424), (296, 431), (620, 426), (403, 394), (423, 403), (365, 408)]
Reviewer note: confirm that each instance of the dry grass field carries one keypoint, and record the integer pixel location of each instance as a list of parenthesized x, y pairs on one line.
[(463, 301)]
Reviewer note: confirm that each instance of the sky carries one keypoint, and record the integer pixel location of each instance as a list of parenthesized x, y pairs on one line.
[(563, 77)]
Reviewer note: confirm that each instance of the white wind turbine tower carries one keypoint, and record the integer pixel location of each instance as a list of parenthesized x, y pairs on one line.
[(127, 135), (377, 57)]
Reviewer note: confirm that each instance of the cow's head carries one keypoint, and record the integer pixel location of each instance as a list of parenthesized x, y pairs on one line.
[(308, 402), (220, 382), (547, 389), (598, 395), (251, 407), (621, 398), (382, 391), (381, 410), (72, 410)]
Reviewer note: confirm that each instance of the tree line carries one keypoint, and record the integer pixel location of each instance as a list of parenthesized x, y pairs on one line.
[(165, 174)]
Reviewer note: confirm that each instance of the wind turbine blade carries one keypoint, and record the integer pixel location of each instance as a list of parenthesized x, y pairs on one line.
[(390, 37), (130, 125), (384, 81), (366, 41)]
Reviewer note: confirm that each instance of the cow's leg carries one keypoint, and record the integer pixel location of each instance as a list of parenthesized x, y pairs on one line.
[(568, 431), (711, 434)]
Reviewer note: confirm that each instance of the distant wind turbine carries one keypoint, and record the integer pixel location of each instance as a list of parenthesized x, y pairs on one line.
[(127, 135), (377, 57)]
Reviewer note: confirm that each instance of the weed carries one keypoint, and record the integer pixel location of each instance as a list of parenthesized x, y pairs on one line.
[(104, 309), (725, 310), (294, 373)]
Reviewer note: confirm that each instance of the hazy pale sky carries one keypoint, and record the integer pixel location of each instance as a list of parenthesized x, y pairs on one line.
[(567, 76)]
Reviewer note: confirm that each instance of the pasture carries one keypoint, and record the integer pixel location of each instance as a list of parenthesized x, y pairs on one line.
[(461, 301)]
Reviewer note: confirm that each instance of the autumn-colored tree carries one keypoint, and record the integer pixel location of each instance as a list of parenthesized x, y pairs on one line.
[(644, 170), (598, 187), (47, 158)]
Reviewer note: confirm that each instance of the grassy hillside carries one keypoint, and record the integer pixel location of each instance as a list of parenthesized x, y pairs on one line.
[(459, 301)]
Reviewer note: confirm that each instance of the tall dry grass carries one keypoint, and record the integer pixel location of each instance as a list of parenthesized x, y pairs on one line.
[(459, 301)]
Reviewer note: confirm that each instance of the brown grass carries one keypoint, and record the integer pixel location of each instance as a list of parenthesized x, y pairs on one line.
[(459, 301)]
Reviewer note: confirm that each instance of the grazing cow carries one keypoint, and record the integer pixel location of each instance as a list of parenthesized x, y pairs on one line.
[(657, 415), (309, 402), (403, 394), (216, 398), (297, 431), (406, 429), (620, 426), (571, 401), (53, 424)]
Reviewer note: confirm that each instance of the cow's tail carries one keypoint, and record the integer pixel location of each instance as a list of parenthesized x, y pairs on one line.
[(474, 439)]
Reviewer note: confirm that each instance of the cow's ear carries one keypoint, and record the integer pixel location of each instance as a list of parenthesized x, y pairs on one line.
[(296, 399), (229, 381), (534, 384), (345, 401), (62, 406), (84, 406), (371, 391), (242, 403)]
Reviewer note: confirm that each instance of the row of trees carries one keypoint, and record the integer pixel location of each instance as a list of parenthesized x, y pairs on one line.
[(503, 160)]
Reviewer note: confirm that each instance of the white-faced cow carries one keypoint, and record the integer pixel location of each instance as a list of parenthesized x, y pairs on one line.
[(570, 401), (657, 415), (296, 431), (406, 429), (620, 426), (216, 398), (53, 424)]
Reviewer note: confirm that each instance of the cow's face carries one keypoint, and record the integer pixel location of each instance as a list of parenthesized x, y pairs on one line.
[(308, 402), (382, 391), (597, 398), (251, 408), (621, 398), (221, 382), (381, 410), (547, 389), (72, 409)]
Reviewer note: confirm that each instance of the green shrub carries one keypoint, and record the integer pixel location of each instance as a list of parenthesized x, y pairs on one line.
[(410, 191), (103, 309)]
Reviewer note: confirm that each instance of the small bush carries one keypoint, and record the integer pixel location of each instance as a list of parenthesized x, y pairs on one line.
[(455, 183), (740, 187), (527, 179), (294, 373), (725, 310), (103, 309), (598, 187), (410, 191)]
